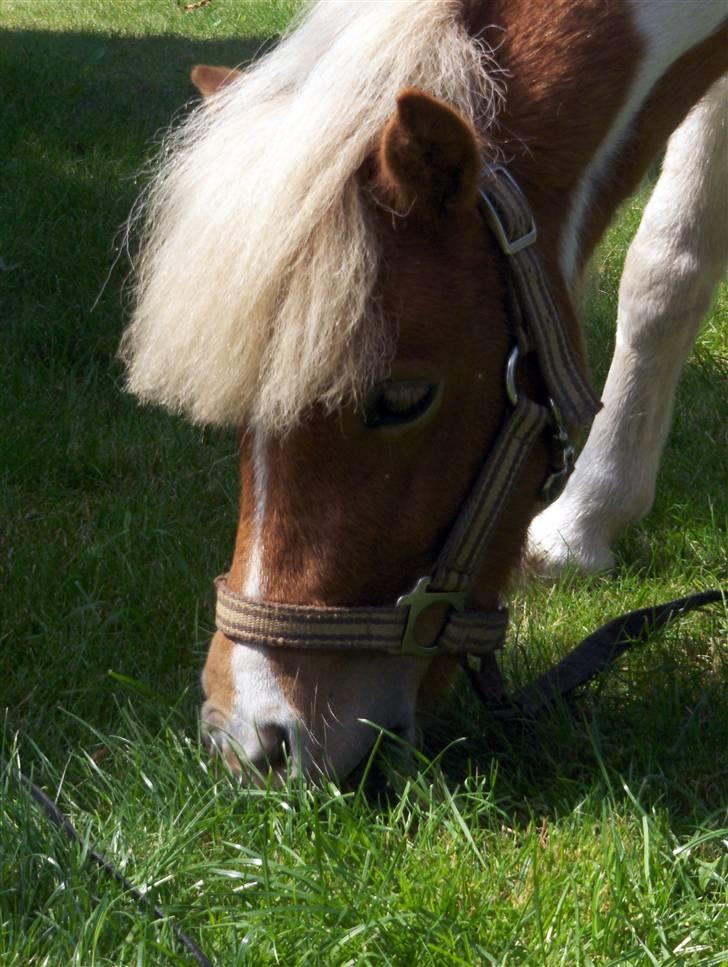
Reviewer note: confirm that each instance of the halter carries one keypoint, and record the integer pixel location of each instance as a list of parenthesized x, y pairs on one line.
[(398, 630)]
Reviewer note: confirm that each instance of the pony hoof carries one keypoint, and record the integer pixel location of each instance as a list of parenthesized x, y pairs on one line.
[(554, 547)]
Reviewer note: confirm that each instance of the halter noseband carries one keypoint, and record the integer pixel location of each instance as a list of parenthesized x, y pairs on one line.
[(398, 630)]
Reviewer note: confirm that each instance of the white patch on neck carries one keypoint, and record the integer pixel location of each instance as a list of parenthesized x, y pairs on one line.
[(253, 587), (668, 28)]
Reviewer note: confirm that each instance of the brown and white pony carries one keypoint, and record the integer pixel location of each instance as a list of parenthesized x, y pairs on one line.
[(315, 272)]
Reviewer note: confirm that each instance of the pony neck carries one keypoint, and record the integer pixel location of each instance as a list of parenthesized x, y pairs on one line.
[(593, 90)]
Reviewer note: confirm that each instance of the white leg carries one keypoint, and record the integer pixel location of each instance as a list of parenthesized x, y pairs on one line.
[(676, 259)]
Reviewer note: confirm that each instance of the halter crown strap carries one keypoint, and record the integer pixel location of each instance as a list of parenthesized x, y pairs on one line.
[(507, 212)]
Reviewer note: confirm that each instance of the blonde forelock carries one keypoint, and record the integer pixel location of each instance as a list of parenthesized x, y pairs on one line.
[(258, 256)]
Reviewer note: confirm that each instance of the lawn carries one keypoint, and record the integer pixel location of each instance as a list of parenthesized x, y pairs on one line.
[(598, 835)]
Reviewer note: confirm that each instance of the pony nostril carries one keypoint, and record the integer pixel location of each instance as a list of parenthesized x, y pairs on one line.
[(269, 749), (214, 728)]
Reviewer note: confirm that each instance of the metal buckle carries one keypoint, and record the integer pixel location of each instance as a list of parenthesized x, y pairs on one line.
[(560, 473), (419, 599), (509, 245)]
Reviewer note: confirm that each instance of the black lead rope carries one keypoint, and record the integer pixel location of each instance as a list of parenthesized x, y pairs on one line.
[(50, 807), (591, 656)]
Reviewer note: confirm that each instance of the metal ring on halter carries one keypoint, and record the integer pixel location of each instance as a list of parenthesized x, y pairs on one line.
[(511, 390)]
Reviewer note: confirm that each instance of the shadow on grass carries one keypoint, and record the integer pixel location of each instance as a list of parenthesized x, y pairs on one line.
[(81, 464), (659, 731), (80, 114)]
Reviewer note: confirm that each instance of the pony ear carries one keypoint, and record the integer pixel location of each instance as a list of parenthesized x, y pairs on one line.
[(209, 80), (428, 156)]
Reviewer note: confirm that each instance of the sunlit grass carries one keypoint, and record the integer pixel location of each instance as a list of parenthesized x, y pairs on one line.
[(317, 875), (597, 835)]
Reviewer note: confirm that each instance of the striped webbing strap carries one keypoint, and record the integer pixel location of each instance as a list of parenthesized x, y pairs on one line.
[(466, 542), (398, 630), (350, 629)]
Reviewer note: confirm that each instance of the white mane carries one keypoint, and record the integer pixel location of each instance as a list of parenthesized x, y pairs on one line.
[(258, 257)]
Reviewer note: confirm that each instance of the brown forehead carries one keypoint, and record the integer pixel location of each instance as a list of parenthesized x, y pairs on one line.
[(440, 283)]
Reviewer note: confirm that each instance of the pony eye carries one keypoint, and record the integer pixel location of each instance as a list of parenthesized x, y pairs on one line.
[(397, 403)]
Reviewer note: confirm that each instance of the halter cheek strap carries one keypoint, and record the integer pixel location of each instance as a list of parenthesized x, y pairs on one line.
[(507, 212), (401, 630)]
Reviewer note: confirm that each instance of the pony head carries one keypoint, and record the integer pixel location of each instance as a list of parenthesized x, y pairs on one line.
[(317, 273), (350, 507)]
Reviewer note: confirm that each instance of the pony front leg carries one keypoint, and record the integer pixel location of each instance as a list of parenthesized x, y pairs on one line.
[(676, 259)]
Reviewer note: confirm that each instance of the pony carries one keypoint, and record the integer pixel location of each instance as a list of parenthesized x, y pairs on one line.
[(323, 269)]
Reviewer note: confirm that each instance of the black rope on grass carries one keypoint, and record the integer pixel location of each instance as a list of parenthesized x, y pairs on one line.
[(59, 819)]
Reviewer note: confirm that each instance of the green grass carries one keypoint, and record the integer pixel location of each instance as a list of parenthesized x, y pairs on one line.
[(598, 835)]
